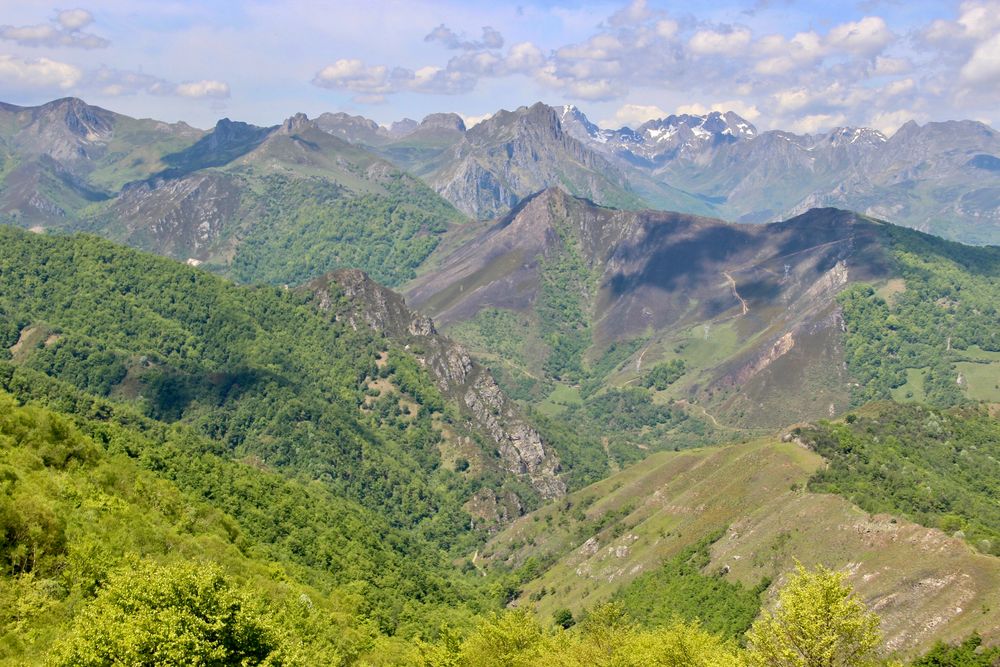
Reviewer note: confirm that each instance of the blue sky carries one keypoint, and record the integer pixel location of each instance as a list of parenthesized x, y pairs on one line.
[(800, 65)]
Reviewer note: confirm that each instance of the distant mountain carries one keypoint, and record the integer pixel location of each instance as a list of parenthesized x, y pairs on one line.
[(275, 204), (657, 142), (752, 312), (60, 157), (939, 177), (935, 178)]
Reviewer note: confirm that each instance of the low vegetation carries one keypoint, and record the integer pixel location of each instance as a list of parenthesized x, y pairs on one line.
[(940, 468)]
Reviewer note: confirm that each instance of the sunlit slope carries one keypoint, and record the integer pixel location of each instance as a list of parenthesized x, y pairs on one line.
[(924, 584)]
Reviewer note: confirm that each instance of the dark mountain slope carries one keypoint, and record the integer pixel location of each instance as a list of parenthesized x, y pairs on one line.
[(752, 312)]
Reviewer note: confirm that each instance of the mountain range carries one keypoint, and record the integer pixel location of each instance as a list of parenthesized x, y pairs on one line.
[(939, 177), (400, 394)]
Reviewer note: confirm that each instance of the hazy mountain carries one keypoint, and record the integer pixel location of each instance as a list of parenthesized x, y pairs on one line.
[(934, 177), (279, 204), (937, 177)]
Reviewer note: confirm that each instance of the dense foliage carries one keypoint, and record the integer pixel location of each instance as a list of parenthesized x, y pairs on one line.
[(308, 227), (969, 653), (939, 468), (258, 370), (818, 622), (680, 589), (664, 374), (113, 516), (564, 283), (948, 302)]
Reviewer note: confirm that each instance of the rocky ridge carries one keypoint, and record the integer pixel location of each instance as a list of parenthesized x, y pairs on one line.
[(457, 375)]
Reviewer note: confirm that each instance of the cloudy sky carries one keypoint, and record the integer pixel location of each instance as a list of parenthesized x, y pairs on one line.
[(794, 64)]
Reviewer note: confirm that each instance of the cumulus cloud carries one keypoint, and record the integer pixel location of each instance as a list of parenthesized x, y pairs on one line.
[(866, 37), (887, 122), (64, 30), (885, 66), (118, 82), (471, 121), (491, 39), (38, 73), (984, 65), (353, 74), (206, 88), (633, 13), (814, 123), (719, 42), (899, 87), (74, 19)]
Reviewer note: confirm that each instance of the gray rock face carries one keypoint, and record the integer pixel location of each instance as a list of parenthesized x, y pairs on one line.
[(457, 375), (179, 217), (444, 121), (355, 129), (516, 153)]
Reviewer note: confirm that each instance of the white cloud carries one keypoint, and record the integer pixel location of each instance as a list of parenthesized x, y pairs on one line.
[(204, 88), (887, 122), (634, 13), (524, 57), (791, 100), (866, 37), (38, 73), (885, 66), (492, 39), (116, 82), (354, 75), (979, 20), (984, 65), (74, 19), (63, 31), (599, 47), (817, 122), (899, 87), (471, 121), (633, 115), (715, 42), (666, 28)]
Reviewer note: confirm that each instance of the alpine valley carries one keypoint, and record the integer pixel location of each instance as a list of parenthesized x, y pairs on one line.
[(530, 392)]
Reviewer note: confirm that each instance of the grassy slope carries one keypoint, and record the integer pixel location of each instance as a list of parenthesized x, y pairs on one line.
[(605, 535)]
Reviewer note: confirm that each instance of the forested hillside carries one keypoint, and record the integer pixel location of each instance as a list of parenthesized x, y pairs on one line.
[(261, 371)]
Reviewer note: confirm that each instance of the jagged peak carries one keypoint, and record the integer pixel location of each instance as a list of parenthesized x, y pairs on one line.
[(296, 122), (342, 117), (445, 121), (403, 127)]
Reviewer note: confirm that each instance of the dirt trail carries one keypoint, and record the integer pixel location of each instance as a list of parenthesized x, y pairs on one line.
[(732, 286), (684, 403)]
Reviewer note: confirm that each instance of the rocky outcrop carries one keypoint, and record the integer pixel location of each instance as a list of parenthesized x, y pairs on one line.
[(513, 154), (362, 302)]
